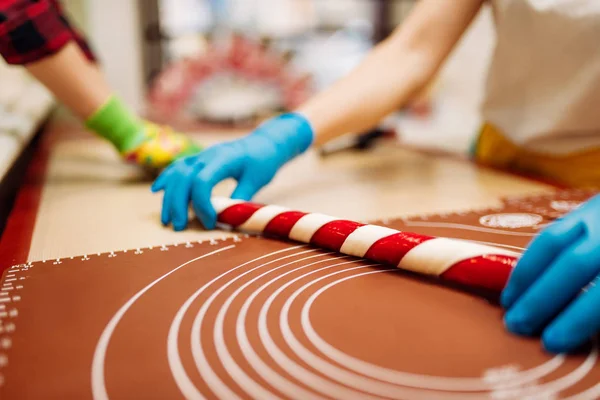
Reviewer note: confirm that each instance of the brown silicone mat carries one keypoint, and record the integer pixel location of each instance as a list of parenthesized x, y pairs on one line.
[(552, 205), (252, 317)]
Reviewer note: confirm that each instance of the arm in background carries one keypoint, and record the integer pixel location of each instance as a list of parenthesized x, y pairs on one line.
[(396, 70)]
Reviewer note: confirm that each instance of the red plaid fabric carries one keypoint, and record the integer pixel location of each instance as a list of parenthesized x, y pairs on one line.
[(33, 29)]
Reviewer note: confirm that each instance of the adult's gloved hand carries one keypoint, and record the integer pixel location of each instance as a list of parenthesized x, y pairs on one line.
[(253, 161), (552, 291)]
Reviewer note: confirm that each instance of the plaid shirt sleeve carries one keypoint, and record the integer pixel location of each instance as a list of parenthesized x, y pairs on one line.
[(33, 29)]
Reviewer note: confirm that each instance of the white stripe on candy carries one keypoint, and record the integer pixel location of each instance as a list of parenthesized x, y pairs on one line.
[(435, 256), (306, 226), (220, 204), (261, 218), (360, 241)]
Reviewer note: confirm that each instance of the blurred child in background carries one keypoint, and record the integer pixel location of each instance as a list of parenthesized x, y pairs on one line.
[(38, 35)]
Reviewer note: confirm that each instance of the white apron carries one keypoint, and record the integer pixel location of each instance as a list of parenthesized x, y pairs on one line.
[(543, 85)]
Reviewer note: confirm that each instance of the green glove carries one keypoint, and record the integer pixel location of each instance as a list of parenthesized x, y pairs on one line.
[(139, 141)]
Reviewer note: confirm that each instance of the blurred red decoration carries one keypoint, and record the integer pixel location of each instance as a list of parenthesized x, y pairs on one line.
[(260, 79)]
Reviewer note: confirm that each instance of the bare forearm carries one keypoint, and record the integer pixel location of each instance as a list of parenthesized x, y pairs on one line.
[(75, 81), (393, 72), (380, 85)]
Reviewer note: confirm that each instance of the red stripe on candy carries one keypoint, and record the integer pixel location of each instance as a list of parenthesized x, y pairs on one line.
[(391, 249), (282, 224), (237, 214), (488, 272), (333, 234)]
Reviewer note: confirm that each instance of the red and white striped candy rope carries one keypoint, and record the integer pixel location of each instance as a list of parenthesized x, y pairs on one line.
[(462, 262)]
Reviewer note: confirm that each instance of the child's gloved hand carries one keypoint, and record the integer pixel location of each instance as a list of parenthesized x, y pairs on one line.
[(159, 147), (144, 143), (253, 161), (552, 290)]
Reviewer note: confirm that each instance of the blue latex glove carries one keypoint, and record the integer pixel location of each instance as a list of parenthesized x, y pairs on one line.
[(544, 293), (253, 161)]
